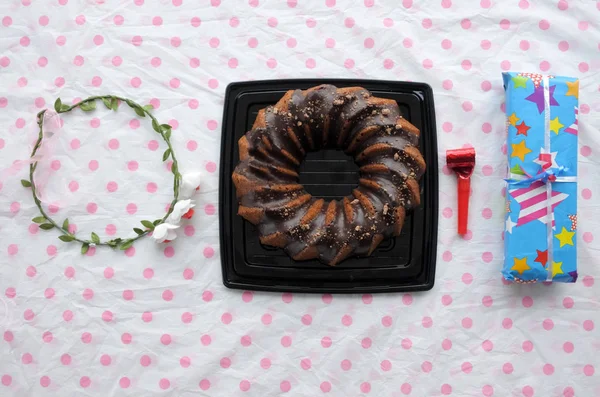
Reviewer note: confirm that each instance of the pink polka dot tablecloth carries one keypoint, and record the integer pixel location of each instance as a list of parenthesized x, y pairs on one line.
[(155, 320)]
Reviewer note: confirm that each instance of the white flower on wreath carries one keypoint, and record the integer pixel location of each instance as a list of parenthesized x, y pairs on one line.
[(189, 184), (182, 209), (164, 232)]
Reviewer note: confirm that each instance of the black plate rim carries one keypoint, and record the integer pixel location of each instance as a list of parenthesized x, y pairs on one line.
[(233, 90)]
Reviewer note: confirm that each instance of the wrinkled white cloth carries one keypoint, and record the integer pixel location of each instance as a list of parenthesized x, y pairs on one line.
[(155, 320)]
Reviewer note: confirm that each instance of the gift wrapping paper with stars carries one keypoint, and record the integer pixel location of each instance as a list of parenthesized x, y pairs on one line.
[(541, 200), (155, 320)]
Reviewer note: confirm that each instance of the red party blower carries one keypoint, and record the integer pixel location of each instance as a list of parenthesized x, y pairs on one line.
[(462, 161)]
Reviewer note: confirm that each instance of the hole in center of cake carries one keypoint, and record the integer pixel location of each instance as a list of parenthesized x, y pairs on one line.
[(329, 174)]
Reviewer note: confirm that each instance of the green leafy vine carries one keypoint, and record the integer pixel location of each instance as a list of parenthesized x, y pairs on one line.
[(111, 102)]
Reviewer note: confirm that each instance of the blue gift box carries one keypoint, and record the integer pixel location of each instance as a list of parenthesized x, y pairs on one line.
[(541, 195)]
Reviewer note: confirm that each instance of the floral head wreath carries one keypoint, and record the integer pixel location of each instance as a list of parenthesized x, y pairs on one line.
[(162, 229)]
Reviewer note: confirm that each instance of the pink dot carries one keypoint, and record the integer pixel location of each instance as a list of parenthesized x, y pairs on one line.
[(466, 64), (487, 214), (365, 343), (487, 301), (548, 324), (584, 67), (507, 368), (167, 295), (7, 21), (446, 344), (169, 252), (369, 42), (527, 346), (157, 21), (105, 360), (311, 63), (447, 212), (446, 44), (286, 341), (164, 383), (527, 301), (307, 319), (42, 61), (98, 39), (365, 387), (505, 24), (407, 299), (467, 322), (31, 271), (386, 321), (585, 151), (247, 296), (447, 126), (505, 65), (544, 66), (78, 60), (426, 23), (487, 390), (110, 229), (47, 337), (204, 383), (406, 343), (367, 299), (266, 319), (226, 318), (568, 347), (346, 364), (426, 366), (3, 102), (568, 392), (446, 389), (8, 336), (568, 302), (286, 297), (27, 358), (118, 20), (465, 23), (165, 339), (124, 382), (406, 388), (407, 42), (265, 363), (22, 81), (45, 381), (136, 41), (588, 237), (128, 294), (330, 3), (588, 281), (467, 106), (347, 320), (234, 22), (548, 369), (225, 362), (563, 5), (507, 323), (485, 3), (325, 387), (446, 3), (524, 45), (80, 19), (117, 60), (213, 83), (427, 63), (145, 361), (588, 370), (126, 338), (112, 186), (586, 194), (147, 317), (86, 337), (487, 345), (209, 252), (466, 367), (447, 84), (4, 62), (544, 24), (447, 256), (588, 325), (245, 385)]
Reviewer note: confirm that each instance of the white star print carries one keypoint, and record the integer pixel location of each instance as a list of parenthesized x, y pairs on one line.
[(510, 224)]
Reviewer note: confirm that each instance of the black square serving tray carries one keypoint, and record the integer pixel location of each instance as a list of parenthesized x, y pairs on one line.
[(405, 263)]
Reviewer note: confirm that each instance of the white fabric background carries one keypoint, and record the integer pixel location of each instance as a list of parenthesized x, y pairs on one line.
[(157, 320)]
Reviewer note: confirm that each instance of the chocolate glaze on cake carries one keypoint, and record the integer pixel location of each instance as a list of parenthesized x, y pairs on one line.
[(371, 129)]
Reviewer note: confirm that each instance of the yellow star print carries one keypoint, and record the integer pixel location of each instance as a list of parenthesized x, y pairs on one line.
[(520, 81), (556, 268), (565, 237), (520, 265), (573, 89), (512, 119), (555, 125), (519, 150)]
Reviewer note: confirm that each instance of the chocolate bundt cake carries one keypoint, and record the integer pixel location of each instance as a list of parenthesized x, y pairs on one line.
[(371, 129)]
